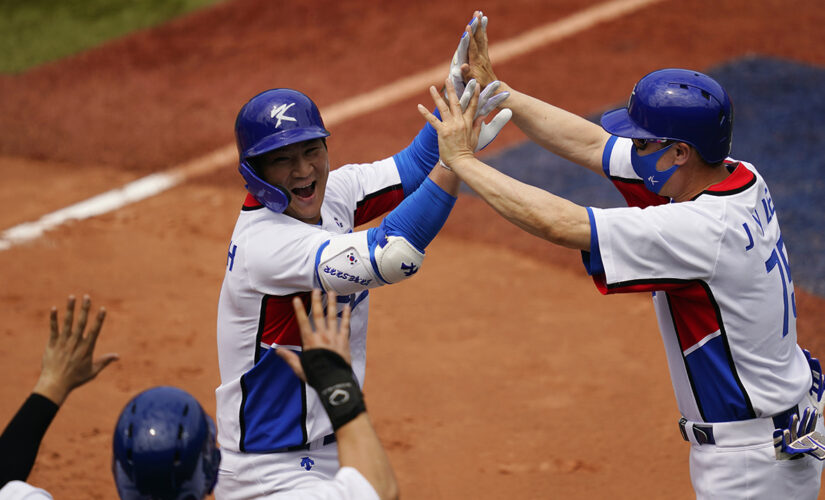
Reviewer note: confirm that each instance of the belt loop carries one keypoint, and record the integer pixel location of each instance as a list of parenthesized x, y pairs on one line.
[(682, 422)]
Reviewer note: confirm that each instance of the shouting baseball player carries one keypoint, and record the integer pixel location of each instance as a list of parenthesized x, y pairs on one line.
[(702, 235), (294, 233)]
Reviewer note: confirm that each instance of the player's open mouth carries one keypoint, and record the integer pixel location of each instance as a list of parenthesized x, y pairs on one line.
[(304, 192)]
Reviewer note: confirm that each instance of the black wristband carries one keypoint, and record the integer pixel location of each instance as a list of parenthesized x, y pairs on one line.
[(332, 377)]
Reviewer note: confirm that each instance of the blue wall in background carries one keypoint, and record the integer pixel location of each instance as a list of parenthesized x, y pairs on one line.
[(779, 126)]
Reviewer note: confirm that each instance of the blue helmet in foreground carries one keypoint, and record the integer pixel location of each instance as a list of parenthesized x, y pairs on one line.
[(164, 447), (680, 105), (271, 120)]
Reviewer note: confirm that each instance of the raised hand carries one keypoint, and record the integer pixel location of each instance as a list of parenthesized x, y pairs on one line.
[(68, 359), (458, 129), (478, 65), (328, 333), (488, 100), (461, 57)]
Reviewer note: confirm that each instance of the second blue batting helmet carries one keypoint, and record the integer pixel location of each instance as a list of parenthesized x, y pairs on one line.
[(164, 447), (271, 120), (681, 105)]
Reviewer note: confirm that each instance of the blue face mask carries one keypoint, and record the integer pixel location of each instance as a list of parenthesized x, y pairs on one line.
[(645, 167)]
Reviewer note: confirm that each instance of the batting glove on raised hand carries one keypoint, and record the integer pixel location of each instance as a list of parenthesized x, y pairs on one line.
[(800, 438), (488, 100), (461, 56)]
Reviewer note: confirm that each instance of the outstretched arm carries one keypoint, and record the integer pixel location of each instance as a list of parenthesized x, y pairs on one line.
[(561, 132), (324, 364), (534, 210), (67, 364)]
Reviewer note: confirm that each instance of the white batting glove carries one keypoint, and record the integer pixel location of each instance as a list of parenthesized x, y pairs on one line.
[(461, 55), (488, 100), (799, 438), (818, 381)]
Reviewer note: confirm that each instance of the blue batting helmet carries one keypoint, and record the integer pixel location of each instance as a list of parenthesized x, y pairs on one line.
[(680, 105), (164, 447), (271, 120)]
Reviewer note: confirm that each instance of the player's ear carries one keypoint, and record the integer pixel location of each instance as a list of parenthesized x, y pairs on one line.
[(684, 152)]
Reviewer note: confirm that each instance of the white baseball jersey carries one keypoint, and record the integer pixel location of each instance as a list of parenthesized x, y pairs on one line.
[(349, 484), (262, 406), (19, 490), (721, 281)]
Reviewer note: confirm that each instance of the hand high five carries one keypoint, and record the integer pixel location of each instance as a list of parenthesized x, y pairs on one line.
[(457, 130)]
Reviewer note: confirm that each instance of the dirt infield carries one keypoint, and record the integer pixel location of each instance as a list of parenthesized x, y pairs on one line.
[(498, 372)]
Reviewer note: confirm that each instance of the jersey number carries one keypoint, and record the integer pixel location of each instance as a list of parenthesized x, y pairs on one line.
[(778, 260)]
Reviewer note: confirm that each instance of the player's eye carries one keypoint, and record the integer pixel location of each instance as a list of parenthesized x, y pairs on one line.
[(641, 144)]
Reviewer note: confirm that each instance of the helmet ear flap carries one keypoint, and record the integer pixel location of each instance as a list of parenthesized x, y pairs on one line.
[(273, 197)]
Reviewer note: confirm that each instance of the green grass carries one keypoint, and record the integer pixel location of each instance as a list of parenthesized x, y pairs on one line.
[(33, 32)]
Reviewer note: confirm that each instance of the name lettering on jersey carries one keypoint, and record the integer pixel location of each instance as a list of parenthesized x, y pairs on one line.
[(758, 220), (770, 212), (346, 276), (750, 237), (278, 112), (230, 258), (767, 203)]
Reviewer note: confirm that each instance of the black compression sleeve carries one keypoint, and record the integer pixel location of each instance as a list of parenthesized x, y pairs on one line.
[(332, 378), (21, 439)]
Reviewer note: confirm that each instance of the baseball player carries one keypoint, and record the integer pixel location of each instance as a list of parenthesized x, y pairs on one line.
[(164, 443), (164, 447), (295, 232), (702, 235)]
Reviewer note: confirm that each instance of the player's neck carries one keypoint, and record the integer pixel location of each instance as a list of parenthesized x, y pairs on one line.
[(697, 179)]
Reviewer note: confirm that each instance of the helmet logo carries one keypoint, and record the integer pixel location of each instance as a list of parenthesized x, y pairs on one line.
[(278, 112)]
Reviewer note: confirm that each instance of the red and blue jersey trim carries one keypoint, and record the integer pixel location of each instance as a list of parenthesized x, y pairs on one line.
[(378, 203), (271, 387), (697, 320)]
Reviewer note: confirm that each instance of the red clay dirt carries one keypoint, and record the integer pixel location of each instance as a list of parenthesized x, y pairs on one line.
[(498, 372)]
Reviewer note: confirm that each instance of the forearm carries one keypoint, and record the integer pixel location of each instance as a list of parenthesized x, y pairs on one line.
[(446, 180), (422, 214), (360, 448), (536, 211), (416, 161), (21, 439), (561, 132)]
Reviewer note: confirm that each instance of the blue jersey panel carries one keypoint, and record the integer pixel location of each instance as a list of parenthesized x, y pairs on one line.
[(718, 394), (274, 406)]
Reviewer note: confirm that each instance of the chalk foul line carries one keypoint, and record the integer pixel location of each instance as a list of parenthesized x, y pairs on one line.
[(347, 109)]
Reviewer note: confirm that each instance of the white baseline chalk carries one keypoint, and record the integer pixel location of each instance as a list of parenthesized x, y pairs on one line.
[(350, 108)]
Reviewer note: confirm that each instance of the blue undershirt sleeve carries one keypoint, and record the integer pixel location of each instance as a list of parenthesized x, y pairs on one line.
[(592, 260), (416, 160), (608, 150), (418, 218)]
